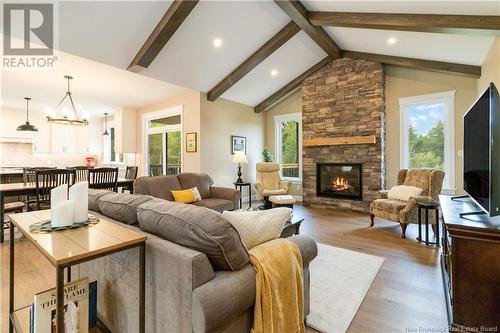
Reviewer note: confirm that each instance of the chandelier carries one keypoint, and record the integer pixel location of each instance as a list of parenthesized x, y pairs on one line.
[(65, 120)]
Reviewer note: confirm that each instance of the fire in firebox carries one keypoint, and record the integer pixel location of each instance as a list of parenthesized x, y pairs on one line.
[(341, 184)]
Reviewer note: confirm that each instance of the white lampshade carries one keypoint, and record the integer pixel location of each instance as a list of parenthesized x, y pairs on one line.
[(239, 157)]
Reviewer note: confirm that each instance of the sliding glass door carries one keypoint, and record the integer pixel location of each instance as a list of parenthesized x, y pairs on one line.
[(163, 138)]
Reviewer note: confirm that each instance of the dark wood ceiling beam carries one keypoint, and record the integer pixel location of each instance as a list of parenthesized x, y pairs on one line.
[(460, 24), (168, 25), (290, 86), (254, 60), (298, 13), (428, 65)]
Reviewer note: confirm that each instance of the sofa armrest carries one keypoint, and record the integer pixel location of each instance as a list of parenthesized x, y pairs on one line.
[(285, 184), (226, 193), (382, 194), (172, 273), (259, 188), (307, 246)]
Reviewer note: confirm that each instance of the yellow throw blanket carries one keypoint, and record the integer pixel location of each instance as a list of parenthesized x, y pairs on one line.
[(279, 299)]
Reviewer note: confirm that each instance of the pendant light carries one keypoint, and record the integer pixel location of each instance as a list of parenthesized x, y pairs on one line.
[(105, 124), (64, 120), (27, 127)]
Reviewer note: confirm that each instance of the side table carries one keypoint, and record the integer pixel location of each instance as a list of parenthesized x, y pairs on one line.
[(70, 247), (426, 207), (240, 185)]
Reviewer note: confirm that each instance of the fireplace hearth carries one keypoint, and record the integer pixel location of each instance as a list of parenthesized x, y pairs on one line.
[(339, 180)]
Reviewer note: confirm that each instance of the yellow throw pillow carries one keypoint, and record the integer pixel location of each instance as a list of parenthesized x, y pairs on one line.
[(185, 196)]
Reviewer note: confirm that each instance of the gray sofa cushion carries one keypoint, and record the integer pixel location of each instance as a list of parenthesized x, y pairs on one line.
[(94, 196), (202, 181), (158, 186), (219, 205), (198, 228), (122, 206)]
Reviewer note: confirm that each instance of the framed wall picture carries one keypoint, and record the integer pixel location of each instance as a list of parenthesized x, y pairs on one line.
[(238, 143), (191, 142)]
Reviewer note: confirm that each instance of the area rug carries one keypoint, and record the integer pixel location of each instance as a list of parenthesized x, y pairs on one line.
[(340, 280)]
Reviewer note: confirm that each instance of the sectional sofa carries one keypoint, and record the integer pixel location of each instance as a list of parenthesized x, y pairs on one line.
[(189, 287)]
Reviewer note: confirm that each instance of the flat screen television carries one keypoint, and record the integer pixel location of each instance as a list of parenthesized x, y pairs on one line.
[(482, 151)]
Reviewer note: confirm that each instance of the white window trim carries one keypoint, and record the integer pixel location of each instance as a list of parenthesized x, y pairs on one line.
[(448, 99), (297, 116), (146, 117)]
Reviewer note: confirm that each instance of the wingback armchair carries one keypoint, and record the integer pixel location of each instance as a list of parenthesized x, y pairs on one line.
[(268, 181), (406, 212)]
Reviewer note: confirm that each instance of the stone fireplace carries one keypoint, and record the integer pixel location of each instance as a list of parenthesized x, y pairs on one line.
[(339, 180), (343, 135)]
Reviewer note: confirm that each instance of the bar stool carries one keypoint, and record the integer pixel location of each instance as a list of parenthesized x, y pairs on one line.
[(426, 207)]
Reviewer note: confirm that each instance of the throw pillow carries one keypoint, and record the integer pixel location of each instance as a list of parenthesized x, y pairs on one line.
[(197, 195), (403, 192), (185, 196), (197, 228), (257, 227)]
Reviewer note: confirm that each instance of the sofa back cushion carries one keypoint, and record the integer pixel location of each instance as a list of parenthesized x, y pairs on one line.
[(94, 196), (122, 206), (157, 186), (198, 228), (201, 181)]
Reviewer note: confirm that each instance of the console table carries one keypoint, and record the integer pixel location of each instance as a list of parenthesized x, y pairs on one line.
[(470, 263), (70, 247)]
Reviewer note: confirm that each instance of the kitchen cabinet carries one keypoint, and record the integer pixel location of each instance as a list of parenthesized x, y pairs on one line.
[(67, 139)]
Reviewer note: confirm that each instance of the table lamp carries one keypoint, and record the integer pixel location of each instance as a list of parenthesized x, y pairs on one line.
[(239, 157)]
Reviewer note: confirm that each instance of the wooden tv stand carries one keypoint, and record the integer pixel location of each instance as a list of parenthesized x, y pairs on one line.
[(470, 262)]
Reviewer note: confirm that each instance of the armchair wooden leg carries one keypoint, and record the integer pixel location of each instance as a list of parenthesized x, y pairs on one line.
[(372, 216), (403, 229)]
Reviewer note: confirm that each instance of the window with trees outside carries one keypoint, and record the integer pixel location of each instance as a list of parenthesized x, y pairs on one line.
[(109, 153), (427, 133), (289, 145)]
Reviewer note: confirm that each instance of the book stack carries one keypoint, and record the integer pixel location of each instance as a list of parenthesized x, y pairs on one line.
[(80, 308)]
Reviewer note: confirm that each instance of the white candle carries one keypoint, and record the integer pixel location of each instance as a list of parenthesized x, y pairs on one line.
[(58, 195), (63, 214), (79, 194)]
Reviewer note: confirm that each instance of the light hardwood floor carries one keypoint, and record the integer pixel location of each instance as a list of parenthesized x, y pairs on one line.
[(407, 294)]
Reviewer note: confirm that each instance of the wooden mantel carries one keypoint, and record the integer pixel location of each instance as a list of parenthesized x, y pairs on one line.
[(345, 140)]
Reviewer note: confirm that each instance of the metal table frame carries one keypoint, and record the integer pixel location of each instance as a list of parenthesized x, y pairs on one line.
[(240, 185), (60, 282), (426, 207)]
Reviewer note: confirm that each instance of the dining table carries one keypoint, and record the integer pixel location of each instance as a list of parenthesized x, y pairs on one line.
[(29, 188)]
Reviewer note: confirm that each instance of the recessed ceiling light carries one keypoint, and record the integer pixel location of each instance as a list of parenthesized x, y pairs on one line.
[(217, 42), (274, 72), (392, 41)]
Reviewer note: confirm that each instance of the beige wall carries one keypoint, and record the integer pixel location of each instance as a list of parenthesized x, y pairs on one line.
[(220, 120), (403, 82), (291, 104), (490, 71), (190, 123)]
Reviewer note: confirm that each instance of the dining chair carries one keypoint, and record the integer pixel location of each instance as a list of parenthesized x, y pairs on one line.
[(130, 173), (29, 177), (104, 178), (82, 173), (46, 180)]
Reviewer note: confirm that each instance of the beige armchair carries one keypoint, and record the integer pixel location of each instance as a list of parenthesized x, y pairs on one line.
[(269, 182), (405, 212)]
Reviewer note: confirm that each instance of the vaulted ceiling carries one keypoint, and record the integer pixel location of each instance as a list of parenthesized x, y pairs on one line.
[(114, 32)]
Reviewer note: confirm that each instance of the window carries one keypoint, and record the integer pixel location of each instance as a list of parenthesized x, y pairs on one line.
[(109, 153), (427, 134), (289, 145)]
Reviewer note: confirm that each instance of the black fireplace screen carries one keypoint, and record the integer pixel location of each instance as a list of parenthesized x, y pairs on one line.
[(339, 180)]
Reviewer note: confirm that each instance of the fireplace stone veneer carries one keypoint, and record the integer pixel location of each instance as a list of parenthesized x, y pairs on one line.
[(345, 98)]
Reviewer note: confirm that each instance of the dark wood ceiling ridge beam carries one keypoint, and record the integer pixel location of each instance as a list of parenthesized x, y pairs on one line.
[(461, 24), (168, 25), (428, 65), (254, 60), (290, 86), (299, 14)]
